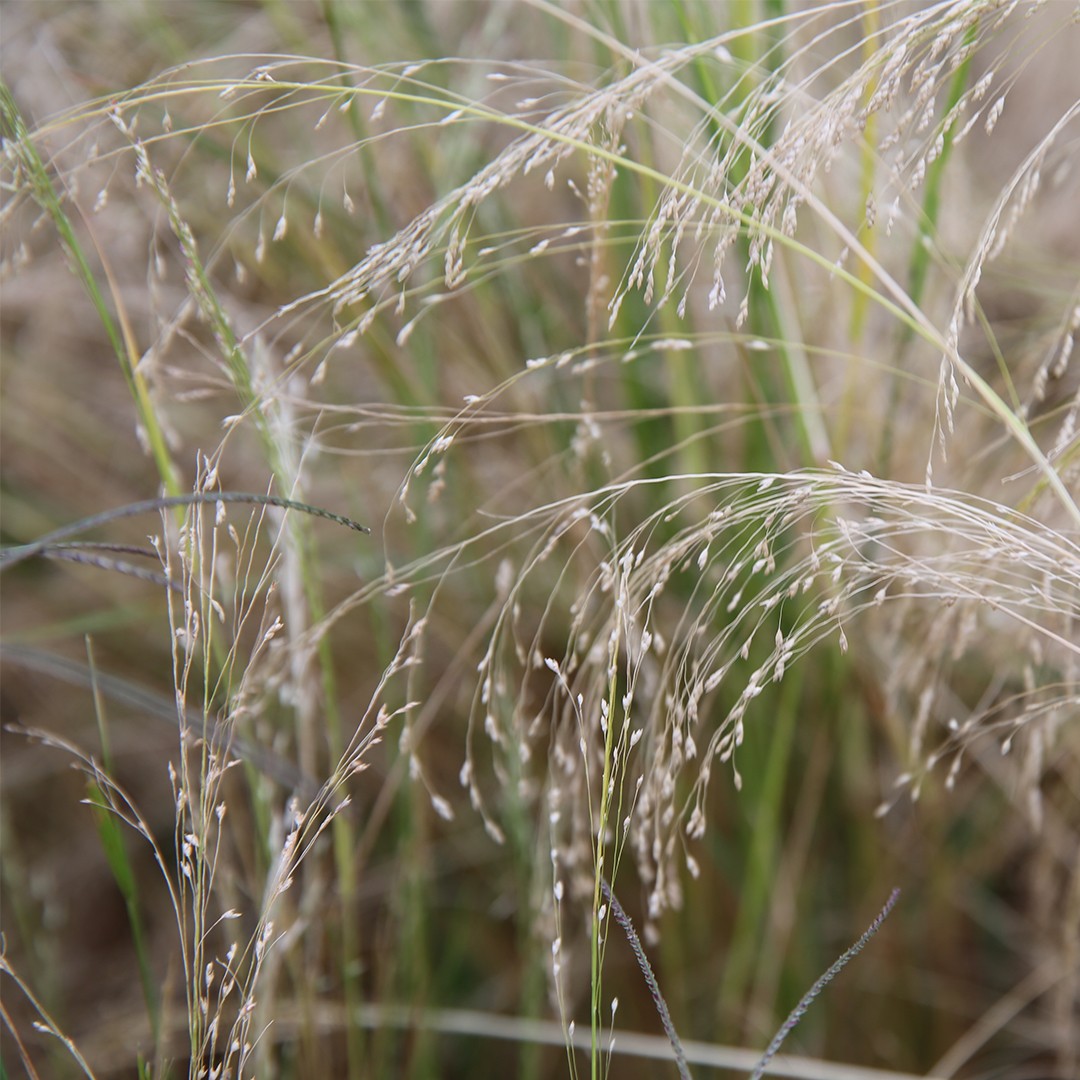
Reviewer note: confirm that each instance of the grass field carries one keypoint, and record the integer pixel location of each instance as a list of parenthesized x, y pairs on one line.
[(459, 455)]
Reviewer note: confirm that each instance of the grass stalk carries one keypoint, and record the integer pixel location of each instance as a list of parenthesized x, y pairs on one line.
[(602, 823), (118, 330)]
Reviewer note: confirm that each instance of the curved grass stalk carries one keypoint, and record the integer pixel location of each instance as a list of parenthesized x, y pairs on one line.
[(11, 555)]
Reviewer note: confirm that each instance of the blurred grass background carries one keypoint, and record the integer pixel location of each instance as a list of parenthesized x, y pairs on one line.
[(399, 906)]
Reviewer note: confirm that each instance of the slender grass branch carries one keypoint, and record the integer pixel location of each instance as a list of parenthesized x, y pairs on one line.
[(9, 556)]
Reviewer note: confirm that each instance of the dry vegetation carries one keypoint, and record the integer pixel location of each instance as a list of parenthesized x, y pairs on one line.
[(704, 374)]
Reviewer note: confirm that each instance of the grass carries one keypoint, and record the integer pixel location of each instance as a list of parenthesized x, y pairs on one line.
[(703, 373)]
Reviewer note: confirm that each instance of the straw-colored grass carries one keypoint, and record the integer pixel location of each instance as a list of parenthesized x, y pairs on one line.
[(704, 374)]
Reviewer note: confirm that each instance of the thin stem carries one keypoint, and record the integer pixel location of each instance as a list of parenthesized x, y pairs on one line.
[(804, 1003), (11, 555), (646, 969)]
